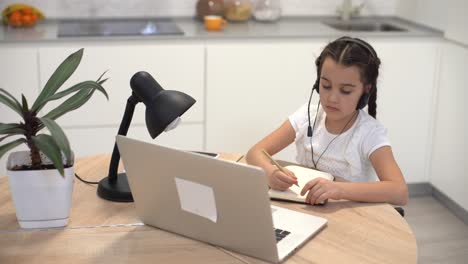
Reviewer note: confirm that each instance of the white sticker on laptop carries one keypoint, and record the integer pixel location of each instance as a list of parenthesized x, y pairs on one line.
[(197, 199)]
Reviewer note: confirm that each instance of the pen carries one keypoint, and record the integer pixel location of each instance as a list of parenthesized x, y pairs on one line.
[(276, 163), (239, 159)]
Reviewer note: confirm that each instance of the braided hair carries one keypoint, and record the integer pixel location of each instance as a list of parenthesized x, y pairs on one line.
[(354, 52)]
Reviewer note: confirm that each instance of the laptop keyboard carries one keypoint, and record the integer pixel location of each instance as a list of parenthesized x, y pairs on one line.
[(280, 234)]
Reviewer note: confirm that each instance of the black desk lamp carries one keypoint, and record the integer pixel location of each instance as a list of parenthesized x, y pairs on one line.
[(163, 111)]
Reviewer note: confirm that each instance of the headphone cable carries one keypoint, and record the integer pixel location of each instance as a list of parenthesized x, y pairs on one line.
[(312, 132), (341, 132), (309, 129)]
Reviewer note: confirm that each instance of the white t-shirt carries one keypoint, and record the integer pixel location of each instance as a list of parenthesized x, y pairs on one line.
[(348, 155)]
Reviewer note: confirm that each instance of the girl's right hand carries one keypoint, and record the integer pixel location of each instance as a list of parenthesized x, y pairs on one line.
[(277, 180)]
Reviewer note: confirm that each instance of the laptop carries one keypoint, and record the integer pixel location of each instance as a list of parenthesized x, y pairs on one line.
[(219, 202)]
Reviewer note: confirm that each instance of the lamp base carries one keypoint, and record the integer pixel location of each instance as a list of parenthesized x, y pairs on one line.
[(116, 191)]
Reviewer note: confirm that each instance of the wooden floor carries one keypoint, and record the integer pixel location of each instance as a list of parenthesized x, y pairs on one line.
[(441, 236)]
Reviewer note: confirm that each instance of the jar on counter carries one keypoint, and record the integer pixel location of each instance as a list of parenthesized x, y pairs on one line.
[(267, 10), (210, 8), (237, 10)]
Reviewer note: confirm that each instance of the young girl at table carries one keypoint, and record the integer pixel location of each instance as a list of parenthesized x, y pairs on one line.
[(337, 136)]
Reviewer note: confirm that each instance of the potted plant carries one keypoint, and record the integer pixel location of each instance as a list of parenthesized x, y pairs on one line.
[(41, 179)]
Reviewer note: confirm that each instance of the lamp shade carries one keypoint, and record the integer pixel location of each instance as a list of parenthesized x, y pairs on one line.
[(162, 106), (164, 109)]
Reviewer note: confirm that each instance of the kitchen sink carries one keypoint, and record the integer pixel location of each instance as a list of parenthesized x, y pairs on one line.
[(364, 26), (118, 27)]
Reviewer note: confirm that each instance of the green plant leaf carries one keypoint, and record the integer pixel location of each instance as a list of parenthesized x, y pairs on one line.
[(8, 146), (2, 138), (71, 103), (102, 81), (7, 136), (11, 97), (59, 136), (25, 103), (79, 86), (11, 104), (11, 129), (98, 86), (102, 75), (61, 74), (46, 144)]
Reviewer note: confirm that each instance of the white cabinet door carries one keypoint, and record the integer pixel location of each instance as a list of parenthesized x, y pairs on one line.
[(94, 140), (405, 100), (174, 66), (449, 156), (18, 75), (253, 88)]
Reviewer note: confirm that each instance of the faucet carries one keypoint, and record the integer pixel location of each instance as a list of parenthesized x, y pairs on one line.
[(346, 10)]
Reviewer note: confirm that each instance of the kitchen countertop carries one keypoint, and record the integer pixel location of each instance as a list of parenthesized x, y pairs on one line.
[(286, 27)]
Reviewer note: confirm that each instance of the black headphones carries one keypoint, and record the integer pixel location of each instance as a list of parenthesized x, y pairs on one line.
[(363, 100)]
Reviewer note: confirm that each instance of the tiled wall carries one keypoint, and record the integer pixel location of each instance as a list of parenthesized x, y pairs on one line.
[(138, 8)]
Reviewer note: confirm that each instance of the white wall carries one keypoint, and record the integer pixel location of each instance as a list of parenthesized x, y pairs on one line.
[(457, 20), (431, 13), (119, 8)]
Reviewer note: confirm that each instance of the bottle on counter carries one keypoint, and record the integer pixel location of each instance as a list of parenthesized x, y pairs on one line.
[(209, 8), (267, 10), (237, 10)]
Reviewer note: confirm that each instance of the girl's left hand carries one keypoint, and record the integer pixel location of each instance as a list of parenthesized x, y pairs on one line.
[(320, 190)]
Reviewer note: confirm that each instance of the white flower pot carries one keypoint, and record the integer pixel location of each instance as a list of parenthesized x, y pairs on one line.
[(42, 198)]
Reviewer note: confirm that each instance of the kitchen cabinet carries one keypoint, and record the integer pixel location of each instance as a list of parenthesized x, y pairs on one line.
[(243, 91), (18, 75), (447, 150), (405, 100), (92, 140), (174, 66), (252, 88), (449, 154)]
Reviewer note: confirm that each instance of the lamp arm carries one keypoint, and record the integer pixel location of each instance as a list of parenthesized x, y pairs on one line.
[(132, 101)]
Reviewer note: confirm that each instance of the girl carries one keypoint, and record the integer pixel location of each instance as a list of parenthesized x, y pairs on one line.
[(339, 137)]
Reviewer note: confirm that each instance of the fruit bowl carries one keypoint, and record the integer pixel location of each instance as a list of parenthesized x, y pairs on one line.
[(21, 15)]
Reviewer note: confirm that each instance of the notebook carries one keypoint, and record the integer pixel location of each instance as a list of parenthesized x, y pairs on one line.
[(198, 197), (304, 175)]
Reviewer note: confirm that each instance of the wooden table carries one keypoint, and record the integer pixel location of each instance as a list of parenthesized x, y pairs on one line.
[(106, 232)]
